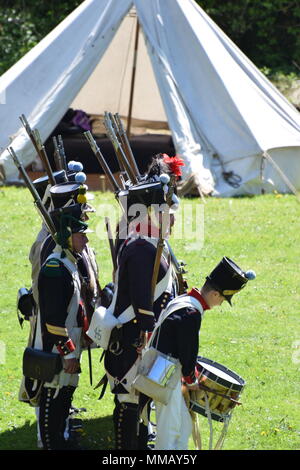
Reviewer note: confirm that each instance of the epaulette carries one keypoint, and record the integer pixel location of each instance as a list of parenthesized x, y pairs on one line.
[(52, 268)]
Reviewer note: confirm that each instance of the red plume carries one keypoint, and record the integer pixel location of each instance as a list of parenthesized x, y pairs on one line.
[(174, 164)]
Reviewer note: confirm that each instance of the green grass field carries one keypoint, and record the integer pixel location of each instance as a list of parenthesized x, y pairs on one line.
[(259, 338)]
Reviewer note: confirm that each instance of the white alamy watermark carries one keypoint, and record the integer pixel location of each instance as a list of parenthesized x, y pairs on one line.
[(2, 352), (189, 225), (296, 352), (186, 223)]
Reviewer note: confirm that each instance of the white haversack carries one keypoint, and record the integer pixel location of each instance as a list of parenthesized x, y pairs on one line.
[(102, 323)]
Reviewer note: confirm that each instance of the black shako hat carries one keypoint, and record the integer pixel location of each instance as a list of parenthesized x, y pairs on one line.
[(228, 278), (148, 194), (143, 193), (156, 188), (70, 193), (62, 194), (41, 183)]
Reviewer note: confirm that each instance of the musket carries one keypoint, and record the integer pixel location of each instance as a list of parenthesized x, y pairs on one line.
[(122, 159), (57, 156), (126, 145), (123, 151), (62, 153), (179, 270), (37, 200), (109, 131), (159, 250), (102, 161), (111, 243), (39, 147)]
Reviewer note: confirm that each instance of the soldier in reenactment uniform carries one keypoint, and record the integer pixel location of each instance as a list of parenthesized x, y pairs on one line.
[(61, 195), (139, 297), (61, 322), (64, 193), (43, 187), (177, 335)]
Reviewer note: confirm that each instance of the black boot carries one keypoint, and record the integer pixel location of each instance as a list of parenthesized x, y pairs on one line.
[(125, 419), (51, 419), (66, 397), (143, 409), (143, 437)]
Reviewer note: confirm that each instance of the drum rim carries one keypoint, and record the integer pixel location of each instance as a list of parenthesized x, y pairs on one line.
[(215, 415), (236, 387)]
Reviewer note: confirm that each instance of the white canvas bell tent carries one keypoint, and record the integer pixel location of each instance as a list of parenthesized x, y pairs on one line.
[(110, 84), (224, 115)]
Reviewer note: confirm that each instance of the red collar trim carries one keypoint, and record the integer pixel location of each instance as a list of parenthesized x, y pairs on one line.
[(197, 295)]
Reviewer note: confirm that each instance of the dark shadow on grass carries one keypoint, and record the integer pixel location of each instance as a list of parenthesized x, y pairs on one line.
[(23, 438), (97, 435)]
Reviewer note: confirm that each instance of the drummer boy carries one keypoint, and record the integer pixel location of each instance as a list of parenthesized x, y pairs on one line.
[(178, 336)]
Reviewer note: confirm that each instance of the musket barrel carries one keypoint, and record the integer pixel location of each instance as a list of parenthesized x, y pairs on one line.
[(35, 138), (62, 153), (44, 157), (37, 200), (29, 131), (126, 145), (158, 255), (111, 243), (178, 269), (120, 152), (114, 140), (57, 156), (109, 131), (102, 161)]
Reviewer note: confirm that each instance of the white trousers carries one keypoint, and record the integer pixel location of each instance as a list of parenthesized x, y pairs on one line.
[(173, 423)]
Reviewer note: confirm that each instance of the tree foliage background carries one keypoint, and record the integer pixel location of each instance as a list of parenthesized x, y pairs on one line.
[(267, 31)]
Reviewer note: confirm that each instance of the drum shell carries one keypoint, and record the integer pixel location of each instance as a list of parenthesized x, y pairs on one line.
[(215, 384)]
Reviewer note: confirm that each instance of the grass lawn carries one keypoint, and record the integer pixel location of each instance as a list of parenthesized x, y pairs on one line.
[(259, 338)]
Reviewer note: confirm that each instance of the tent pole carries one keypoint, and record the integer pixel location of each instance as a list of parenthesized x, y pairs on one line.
[(133, 76), (282, 174)]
